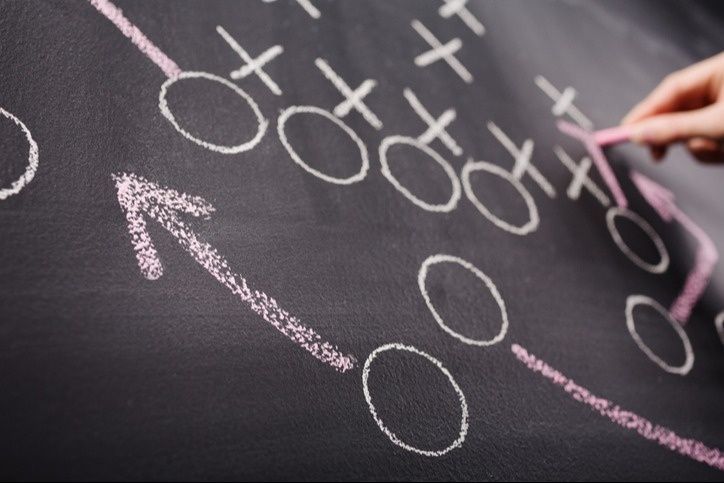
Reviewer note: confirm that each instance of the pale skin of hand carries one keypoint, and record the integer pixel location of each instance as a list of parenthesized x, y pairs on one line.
[(686, 107)]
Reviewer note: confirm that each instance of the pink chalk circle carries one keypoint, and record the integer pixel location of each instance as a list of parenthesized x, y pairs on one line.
[(234, 149), (620, 212), (296, 110), (635, 300), (29, 173), (393, 437)]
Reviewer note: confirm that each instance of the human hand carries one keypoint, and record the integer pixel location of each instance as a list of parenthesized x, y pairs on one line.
[(687, 106)]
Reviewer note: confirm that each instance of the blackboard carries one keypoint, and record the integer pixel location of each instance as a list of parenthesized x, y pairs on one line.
[(345, 268)]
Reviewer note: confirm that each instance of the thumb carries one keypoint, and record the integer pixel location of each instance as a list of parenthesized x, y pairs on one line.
[(680, 126)]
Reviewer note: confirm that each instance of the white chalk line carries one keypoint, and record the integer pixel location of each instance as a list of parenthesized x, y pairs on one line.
[(440, 52), (580, 178), (139, 197), (239, 148), (617, 211), (353, 99), (719, 325), (530, 226), (458, 7), (573, 112), (522, 158), (33, 159), (308, 7), (252, 65), (451, 204), (631, 302), (488, 283), (392, 436), (294, 110), (436, 127)]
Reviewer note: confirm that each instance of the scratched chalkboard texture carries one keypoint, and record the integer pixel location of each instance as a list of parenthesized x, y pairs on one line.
[(345, 268)]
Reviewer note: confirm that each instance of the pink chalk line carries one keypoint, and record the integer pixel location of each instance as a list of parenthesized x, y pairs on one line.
[(115, 15), (599, 159), (662, 200), (661, 435), (139, 197)]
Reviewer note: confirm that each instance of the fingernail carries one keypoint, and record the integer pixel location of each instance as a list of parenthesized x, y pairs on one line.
[(641, 134)]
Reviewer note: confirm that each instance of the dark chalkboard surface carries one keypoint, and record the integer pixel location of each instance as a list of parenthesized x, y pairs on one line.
[(334, 239)]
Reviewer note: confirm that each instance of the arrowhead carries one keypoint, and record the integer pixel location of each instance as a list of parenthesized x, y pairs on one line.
[(660, 198), (138, 196)]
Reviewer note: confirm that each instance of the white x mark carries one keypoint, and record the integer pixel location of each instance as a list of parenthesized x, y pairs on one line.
[(563, 102), (522, 159), (439, 51), (353, 98), (580, 178), (306, 5), (252, 65), (436, 127), (459, 8)]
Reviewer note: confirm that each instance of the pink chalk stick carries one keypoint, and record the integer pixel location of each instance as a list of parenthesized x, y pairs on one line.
[(660, 435), (614, 135), (144, 44)]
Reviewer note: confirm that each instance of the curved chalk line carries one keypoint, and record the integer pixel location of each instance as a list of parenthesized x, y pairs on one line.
[(393, 437), (293, 110), (33, 157), (530, 226), (451, 204), (422, 278), (631, 302), (239, 148), (616, 211)]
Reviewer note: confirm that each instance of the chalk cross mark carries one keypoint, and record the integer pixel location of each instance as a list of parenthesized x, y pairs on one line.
[(140, 198), (441, 51), (253, 65), (459, 8)]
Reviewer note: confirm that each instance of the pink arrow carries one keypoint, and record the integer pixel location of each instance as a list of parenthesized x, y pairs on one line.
[(139, 198), (663, 201), (593, 147)]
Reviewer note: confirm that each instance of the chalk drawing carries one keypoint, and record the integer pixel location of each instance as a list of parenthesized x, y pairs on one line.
[(393, 437), (141, 198), (449, 171), (615, 212), (580, 178), (439, 51), (262, 123), (436, 127), (33, 159), (459, 8), (663, 202), (634, 300), (660, 435), (719, 324), (533, 220), (307, 5), (487, 282), (602, 165), (563, 102), (353, 99), (294, 110), (522, 157), (148, 48), (253, 65)]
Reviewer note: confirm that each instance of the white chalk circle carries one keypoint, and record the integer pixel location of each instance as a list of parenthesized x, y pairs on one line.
[(422, 277), (631, 302), (449, 171), (239, 148), (533, 220), (393, 437), (719, 324), (617, 211), (32, 167), (293, 110)]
